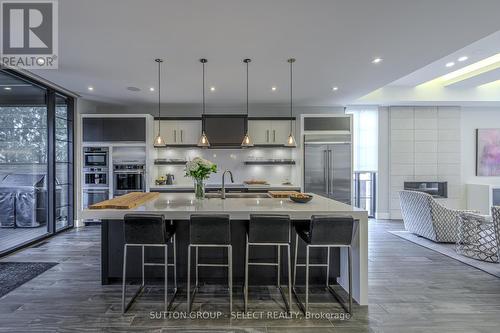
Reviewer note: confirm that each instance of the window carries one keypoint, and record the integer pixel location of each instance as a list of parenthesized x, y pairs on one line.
[(36, 169)]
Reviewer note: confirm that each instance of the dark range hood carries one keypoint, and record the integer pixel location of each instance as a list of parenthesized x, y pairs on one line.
[(225, 131)]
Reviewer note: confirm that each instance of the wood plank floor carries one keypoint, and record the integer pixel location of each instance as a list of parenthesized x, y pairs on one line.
[(12, 237), (411, 289)]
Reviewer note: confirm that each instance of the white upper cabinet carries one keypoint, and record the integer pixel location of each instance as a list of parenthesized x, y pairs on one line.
[(179, 132), (269, 132)]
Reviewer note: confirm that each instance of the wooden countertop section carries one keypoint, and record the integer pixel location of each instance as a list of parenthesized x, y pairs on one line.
[(127, 201)]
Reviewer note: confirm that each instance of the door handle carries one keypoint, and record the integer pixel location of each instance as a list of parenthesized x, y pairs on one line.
[(325, 170), (175, 136), (274, 135), (181, 137), (267, 135), (330, 181)]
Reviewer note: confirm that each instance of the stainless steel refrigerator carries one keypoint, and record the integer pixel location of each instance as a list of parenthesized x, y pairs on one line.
[(328, 170)]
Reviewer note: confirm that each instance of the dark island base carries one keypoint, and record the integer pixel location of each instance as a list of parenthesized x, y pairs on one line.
[(112, 259)]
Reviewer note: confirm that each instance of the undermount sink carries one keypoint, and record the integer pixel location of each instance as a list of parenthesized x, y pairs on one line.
[(243, 195)]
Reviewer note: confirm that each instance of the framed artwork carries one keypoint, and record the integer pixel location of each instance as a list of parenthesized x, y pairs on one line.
[(488, 152)]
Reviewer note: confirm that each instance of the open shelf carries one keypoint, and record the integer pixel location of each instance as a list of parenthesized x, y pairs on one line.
[(271, 162), (167, 162)]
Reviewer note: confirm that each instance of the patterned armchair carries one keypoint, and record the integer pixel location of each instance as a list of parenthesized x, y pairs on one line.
[(424, 216), (479, 238)]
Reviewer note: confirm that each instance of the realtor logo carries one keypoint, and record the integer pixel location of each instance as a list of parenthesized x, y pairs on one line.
[(29, 34)]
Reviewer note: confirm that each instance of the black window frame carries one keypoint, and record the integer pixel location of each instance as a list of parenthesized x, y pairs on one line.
[(50, 101)]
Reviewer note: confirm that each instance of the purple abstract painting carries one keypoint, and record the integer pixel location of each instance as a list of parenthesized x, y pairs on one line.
[(488, 152)]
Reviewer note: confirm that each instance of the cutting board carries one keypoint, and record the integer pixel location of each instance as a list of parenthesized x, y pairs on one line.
[(127, 201), (281, 194)]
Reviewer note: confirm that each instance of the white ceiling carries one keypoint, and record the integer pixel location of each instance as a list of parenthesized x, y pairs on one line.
[(111, 45)]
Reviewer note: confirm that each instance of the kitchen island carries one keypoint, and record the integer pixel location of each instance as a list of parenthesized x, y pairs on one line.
[(179, 206)]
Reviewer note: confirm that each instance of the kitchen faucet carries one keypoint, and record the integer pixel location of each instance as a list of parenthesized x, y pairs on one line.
[(223, 189)]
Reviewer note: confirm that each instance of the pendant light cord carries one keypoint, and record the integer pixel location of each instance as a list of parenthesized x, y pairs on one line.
[(291, 93), (247, 85), (203, 94), (159, 97)]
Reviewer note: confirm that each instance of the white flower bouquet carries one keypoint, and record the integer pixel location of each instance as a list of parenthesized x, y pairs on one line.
[(199, 169)]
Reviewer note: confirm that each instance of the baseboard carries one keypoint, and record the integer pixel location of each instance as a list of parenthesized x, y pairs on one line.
[(382, 216)]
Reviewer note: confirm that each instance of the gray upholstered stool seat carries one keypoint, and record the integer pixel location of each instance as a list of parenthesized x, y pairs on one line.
[(324, 231), (148, 230), (209, 230), (269, 230)]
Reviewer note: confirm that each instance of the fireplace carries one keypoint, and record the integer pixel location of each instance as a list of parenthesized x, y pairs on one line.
[(436, 189)]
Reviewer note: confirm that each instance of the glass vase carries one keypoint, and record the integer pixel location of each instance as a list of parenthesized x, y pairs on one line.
[(199, 188)]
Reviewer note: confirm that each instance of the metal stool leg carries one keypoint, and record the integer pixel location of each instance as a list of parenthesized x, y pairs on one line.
[(307, 278), (196, 266), (289, 279), (166, 277), (350, 278), (278, 268), (230, 276), (174, 242), (188, 291), (124, 276), (328, 266), (245, 290), (295, 260)]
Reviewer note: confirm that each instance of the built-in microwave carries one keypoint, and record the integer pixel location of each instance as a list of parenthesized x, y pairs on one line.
[(95, 157)]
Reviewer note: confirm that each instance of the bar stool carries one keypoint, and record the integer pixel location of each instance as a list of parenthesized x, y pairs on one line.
[(269, 230), (209, 231), (148, 230), (325, 232)]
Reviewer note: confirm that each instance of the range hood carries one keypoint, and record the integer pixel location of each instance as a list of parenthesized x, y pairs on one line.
[(225, 131)]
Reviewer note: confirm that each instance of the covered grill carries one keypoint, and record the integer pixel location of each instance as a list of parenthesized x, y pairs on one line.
[(23, 200)]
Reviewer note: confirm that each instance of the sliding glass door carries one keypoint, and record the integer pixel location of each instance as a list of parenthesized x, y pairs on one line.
[(36, 161)]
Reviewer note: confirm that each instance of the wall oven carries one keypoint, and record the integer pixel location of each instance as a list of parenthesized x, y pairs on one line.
[(95, 157), (128, 178), (93, 196)]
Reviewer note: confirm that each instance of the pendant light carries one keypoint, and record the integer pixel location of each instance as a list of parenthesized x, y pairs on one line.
[(290, 142), (203, 142), (247, 142), (159, 142)]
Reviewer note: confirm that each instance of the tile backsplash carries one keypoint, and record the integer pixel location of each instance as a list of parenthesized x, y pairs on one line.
[(234, 160)]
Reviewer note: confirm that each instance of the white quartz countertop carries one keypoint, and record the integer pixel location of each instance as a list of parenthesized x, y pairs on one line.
[(182, 205), (228, 186)]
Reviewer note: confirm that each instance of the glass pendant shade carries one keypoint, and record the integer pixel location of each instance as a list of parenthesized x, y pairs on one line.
[(247, 142), (203, 142), (290, 142), (159, 142)]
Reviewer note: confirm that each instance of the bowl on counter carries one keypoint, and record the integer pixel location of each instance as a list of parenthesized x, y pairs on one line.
[(301, 197)]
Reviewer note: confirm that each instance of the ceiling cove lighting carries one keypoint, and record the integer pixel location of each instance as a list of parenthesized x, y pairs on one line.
[(377, 60), (467, 72), (159, 142), (290, 142), (203, 141), (493, 84), (247, 142), (463, 58)]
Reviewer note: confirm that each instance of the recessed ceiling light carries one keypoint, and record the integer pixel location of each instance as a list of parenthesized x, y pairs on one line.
[(8, 88), (335, 88), (152, 89), (212, 88), (450, 64), (377, 60), (90, 88), (463, 58), (273, 88)]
